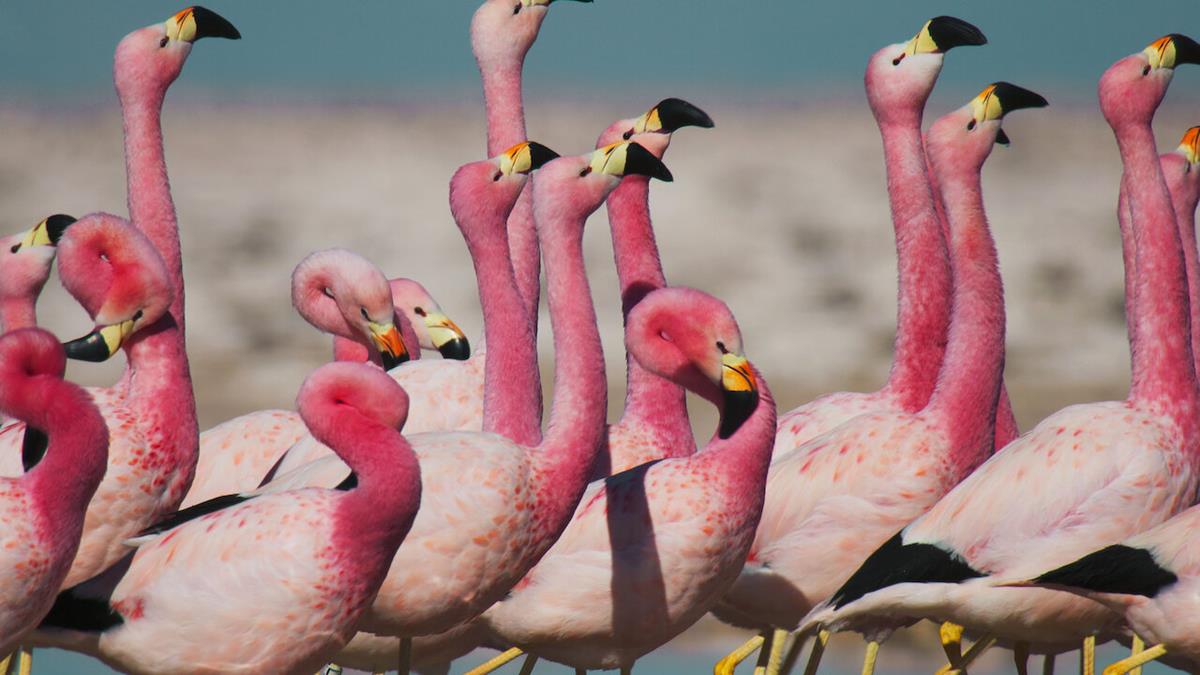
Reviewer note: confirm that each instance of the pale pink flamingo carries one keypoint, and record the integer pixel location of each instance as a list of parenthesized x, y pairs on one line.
[(339, 292), (649, 550), (288, 574), (1087, 476), (41, 511), (492, 507), (833, 501), (25, 261), (1139, 576)]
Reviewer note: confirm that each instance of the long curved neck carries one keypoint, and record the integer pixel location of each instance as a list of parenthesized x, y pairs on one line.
[(512, 393), (17, 312), (650, 401), (151, 209), (1183, 201), (924, 272), (505, 128), (64, 481), (1163, 370), (576, 426), (1128, 250), (744, 458), (969, 382)]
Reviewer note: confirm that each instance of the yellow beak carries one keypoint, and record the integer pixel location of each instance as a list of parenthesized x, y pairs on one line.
[(391, 346), (447, 337), (1190, 145), (100, 344), (736, 374)]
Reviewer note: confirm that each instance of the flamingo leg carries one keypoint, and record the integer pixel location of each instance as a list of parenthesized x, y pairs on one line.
[(405, 656), (530, 662), (869, 660), (726, 665), (5, 663), (951, 634), (775, 656), (1136, 648), (1021, 656), (495, 662), (1128, 664), (976, 650), (1048, 664), (330, 669), (25, 660), (764, 655), (1087, 656), (814, 657)]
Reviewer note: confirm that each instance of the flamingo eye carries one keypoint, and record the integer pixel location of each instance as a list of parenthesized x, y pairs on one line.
[(627, 135), (896, 61), (418, 311), (328, 293), (517, 9), (663, 334), (586, 171), (721, 347), (363, 310), (971, 125), (1145, 71), (498, 176), (163, 42), (137, 315), (15, 248)]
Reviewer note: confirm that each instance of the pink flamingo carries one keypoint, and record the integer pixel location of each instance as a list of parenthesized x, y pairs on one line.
[(289, 574), (25, 260), (42, 510), (837, 498), (465, 553), (1091, 474), (1141, 577), (433, 330), (651, 549), (336, 291)]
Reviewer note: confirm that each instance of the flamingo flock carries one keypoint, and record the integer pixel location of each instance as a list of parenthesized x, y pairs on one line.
[(415, 508)]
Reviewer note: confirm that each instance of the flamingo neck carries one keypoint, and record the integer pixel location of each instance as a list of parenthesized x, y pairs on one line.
[(743, 458), (650, 401), (512, 394), (504, 102), (576, 427), (1163, 369), (157, 389), (969, 382), (1128, 249), (151, 209), (923, 309), (17, 312), (1184, 197)]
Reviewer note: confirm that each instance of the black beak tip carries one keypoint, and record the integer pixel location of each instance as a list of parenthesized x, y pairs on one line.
[(949, 32), (390, 361), (640, 161), (90, 347), (1013, 97), (539, 155), (458, 349), (211, 24), (738, 407), (56, 225), (1002, 138), (676, 113), (1187, 50)]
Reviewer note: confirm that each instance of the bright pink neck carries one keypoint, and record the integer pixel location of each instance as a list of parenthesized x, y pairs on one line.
[(924, 271), (1184, 197), (17, 313), (744, 457), (1163, 368), (969, 382), (651, 402), (512, 393), (576, 427)]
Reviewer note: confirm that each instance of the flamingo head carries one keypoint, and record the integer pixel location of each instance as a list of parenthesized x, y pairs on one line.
[(965, 137), (341, 386), (26, 257), (691, 338), (434, 329), (654, 129), (149, 59), (1181, 168), (486, 191), (30, 359), (574, 187), (502, 31), (1132, 88), (900, 77), (341, 292), (117, 275)]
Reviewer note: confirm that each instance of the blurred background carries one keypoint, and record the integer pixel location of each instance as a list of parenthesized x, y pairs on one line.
[(339, 124)]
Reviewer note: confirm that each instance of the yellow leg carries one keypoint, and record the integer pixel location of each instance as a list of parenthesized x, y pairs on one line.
[(869, 659), (331, 669), (775, 656), (26, 667), (727, 665), (1126, 665), (814, 657), (6, 663), (495, 662), (764, 655), (972, 654), (1087, 656), (1136, 648), (530, 662), (951, 634), (1021, 657)]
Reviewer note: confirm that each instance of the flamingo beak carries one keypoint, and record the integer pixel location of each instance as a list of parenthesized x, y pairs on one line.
[(524, 158), (1171, 50), (100, 344), (626, 158), (739, 387), (1189, 147), (670, 115), (542, 3), (447, 337), (943, 33), (197, 22), (391, 347), (45, 233), (999, 99)]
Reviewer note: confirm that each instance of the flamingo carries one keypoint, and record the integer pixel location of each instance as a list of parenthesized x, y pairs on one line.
[(42, 511), (25, 260), (650, 549), (432, 329), (834, 500), (336, 291), (1089, 475), (465, 552), (289, 574)]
